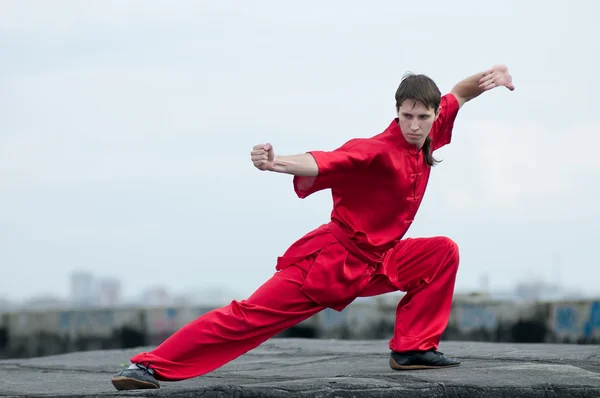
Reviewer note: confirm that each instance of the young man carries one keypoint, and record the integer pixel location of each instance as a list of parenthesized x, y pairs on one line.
[(377, 186)]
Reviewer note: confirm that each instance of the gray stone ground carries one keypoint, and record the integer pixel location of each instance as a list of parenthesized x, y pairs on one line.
[(329, 368)]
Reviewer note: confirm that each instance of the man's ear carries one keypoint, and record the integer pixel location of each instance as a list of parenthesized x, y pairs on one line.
[(437, 113)]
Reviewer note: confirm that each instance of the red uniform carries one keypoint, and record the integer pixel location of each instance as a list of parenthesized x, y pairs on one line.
[(377, 186)]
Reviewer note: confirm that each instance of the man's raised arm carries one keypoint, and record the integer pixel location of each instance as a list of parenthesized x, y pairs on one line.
[(473, 86)]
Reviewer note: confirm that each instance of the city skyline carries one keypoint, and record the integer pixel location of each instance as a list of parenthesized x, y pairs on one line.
[(87, 292)]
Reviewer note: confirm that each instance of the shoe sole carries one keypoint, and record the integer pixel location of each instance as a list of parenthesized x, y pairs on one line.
[(128, 383), (394, 365)]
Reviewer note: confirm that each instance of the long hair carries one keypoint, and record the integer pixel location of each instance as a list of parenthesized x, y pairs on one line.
[(429, 159), (424, 90)]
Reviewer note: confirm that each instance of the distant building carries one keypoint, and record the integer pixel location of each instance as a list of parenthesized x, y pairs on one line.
[(6, 305), (44, 302), (212, 296), (156, 296), (83, 290), (539, 290), (109, 292)]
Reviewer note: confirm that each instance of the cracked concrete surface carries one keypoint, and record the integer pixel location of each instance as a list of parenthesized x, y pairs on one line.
[(328, 368)]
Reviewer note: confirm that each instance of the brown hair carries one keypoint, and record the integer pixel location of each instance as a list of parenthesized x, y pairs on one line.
[(424, 90)]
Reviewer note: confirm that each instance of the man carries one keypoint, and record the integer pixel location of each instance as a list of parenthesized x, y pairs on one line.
[(377, 186)]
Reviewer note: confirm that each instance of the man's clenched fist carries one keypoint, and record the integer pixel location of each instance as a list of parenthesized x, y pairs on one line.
[(263, 156)]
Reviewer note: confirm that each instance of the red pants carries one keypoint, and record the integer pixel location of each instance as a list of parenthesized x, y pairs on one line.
[(426, 270)]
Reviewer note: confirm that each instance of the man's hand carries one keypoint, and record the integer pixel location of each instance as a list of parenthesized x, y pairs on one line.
[(497, 76), (475, 85), (263, 157)]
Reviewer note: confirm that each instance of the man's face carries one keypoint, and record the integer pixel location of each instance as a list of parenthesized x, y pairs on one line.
[(415, 120)]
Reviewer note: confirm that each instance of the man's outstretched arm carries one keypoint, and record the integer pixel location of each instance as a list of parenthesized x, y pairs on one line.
[(303, 165), (473, 86)]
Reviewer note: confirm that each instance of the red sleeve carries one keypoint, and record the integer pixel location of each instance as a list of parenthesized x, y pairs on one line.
[(335, 166), (441, 131)]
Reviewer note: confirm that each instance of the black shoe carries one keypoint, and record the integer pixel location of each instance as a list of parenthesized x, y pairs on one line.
[(431, 359), (134, 379)]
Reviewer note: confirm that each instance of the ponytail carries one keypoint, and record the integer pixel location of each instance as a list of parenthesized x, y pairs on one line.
[(429, 159)]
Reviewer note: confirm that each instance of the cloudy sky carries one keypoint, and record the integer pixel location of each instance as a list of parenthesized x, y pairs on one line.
[(126, 126)]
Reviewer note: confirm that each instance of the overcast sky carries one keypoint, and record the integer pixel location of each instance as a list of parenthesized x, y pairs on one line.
[(126, 127)]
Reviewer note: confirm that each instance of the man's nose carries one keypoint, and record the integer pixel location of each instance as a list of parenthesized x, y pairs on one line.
[(414, 126)]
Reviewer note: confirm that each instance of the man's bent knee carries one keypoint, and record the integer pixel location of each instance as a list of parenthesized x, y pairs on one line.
[(450, 247)]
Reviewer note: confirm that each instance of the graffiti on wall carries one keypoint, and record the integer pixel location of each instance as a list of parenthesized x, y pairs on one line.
[(593, 322), (163, 320), (566, 318), (331, 319), (476, 316), (580, 319), (86, 320)]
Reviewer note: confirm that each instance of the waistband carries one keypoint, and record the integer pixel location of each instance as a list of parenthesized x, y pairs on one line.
[(387, 258)]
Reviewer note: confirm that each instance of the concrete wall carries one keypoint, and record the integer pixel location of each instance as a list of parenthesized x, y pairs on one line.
[(575, 322), (54, 332)]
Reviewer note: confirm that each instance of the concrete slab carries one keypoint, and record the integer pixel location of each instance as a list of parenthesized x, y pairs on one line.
[(329, 368)]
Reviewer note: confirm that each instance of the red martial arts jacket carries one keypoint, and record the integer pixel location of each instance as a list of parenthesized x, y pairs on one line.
[(377, 185)]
